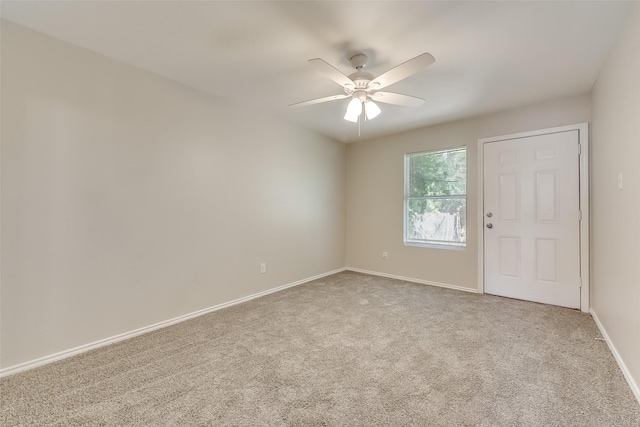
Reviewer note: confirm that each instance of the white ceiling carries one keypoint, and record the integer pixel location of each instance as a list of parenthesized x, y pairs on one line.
[(489, 55)]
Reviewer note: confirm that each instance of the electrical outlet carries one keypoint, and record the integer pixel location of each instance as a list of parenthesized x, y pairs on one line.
[(385, 255), (263, 267)]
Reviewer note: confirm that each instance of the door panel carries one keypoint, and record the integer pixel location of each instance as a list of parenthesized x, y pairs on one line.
[(509, 257), (532, 234), (547, 260), (510, 197), (546, 193)]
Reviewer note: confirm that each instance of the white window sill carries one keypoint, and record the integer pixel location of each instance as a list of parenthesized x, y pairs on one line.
[(436, 246)]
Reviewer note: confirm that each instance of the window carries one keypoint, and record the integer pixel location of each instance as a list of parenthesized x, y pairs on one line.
[(435, 198)]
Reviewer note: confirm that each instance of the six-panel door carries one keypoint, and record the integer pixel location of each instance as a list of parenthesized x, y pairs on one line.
[(531, 207)]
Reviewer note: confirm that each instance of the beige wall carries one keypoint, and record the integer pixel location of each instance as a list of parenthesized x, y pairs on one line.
[(615, 219), (128, 199), (375, 191)]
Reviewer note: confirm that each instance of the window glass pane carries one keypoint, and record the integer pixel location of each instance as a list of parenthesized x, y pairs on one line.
[(440, 173), (442, 220)]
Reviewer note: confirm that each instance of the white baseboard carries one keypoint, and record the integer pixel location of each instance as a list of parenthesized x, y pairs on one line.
[(121, 337), (627, 375), (410, 279)]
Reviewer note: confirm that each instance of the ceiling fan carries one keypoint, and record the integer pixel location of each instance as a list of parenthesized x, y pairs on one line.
[(363, 88)]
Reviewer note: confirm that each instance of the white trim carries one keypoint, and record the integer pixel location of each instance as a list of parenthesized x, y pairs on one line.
[(410, 279), (583, 139), (627, 375), (121, 337), (585, 258), (435, 246), (480, 215)]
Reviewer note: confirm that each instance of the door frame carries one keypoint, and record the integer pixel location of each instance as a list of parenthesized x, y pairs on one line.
[(583, 140)]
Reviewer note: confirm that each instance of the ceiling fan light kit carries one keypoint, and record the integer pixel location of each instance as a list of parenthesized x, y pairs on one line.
[(354, 110), (362, 86), (371, 109)]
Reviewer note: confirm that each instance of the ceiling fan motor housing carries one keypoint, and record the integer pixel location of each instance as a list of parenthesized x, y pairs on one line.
[(361, 79)]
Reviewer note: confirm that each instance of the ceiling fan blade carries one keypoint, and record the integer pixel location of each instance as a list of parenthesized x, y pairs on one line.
[(332, 72), (319, 100), (402, 71), (397, 99)]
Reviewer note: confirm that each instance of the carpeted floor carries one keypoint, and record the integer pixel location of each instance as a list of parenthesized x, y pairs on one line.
[(345, 350)]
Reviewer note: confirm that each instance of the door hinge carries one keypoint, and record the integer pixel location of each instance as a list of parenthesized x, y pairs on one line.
[(579, 215), (579, 148)]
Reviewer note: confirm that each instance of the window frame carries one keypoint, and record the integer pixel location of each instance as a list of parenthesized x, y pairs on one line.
[(406, 198)]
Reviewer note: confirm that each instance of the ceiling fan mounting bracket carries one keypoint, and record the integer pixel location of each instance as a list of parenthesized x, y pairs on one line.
[(358, 61)]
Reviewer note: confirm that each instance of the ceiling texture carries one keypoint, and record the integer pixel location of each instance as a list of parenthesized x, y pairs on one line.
[(489, 56)]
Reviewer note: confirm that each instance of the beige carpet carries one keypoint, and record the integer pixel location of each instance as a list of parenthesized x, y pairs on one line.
[(349, 349)]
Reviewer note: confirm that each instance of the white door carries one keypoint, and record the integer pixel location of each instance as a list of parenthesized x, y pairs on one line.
[(531, 218)]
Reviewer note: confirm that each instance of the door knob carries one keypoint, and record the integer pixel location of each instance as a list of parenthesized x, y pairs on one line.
[(489, 214), (489, 225)]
